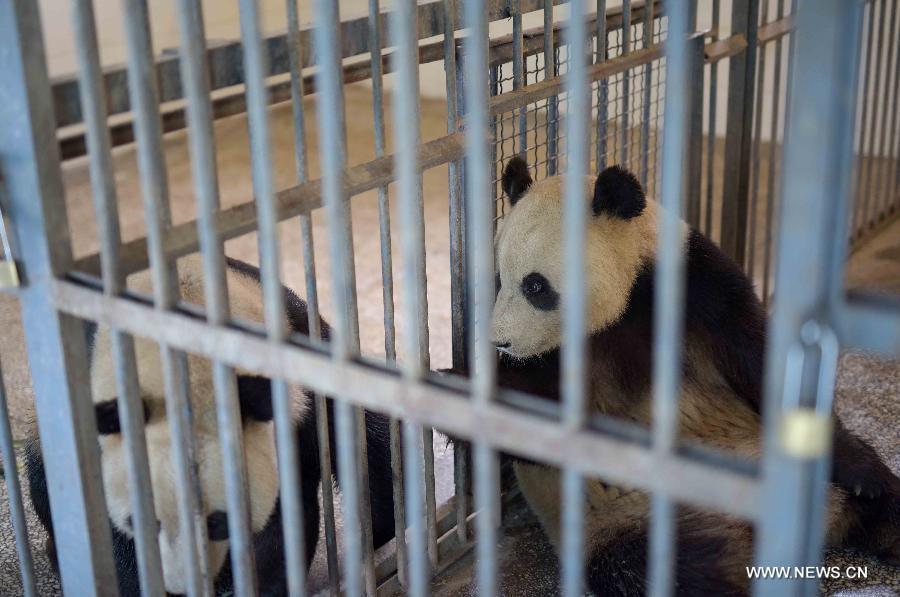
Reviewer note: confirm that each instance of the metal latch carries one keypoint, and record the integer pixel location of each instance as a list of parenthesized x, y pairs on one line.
[(805, 431)]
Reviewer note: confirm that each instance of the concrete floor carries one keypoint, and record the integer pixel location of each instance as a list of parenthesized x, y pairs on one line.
[(868, 389)]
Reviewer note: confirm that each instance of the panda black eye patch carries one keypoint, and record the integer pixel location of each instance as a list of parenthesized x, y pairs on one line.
[(539, 292), (107, 414), (217, 526)]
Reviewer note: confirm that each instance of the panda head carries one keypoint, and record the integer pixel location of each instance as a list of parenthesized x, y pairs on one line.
[(259, 447), (527, 319)]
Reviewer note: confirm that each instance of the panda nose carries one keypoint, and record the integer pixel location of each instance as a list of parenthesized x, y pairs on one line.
[(501, 344)]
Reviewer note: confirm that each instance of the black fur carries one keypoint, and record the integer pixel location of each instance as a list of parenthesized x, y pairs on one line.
[(255, 397), (539, 292), (107, 414), (618, 194), (256, 402), (516, 179), (217, 526), (619, 567)]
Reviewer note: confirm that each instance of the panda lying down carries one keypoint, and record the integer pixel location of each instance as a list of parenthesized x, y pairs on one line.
[(254, 395), (721, 388)]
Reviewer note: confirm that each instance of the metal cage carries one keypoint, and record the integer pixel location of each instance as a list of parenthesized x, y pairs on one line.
[(646, 79)]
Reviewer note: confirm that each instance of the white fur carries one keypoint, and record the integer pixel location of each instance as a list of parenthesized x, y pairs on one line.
[(259, 439)]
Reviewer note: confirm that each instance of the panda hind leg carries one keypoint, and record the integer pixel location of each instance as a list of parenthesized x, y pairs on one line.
[(703, 566), (872, 495)]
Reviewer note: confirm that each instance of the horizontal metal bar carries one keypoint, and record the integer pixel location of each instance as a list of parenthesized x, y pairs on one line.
[(225, 58), (182, 239), (724, 48), (870, 322), (551, 87), (428, 403), (776, 29)]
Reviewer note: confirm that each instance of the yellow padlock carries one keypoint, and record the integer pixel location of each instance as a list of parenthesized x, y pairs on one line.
[(805, 433), (9, 275)]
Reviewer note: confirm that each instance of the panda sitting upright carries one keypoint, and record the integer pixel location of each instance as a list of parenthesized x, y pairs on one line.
[(255, 399), (720, 394)]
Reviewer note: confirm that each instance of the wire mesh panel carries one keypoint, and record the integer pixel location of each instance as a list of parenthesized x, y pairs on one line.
[(625, 131), (257, 400)]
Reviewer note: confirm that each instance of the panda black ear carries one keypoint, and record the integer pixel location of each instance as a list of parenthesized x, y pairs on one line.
[(516, 179), (618, 193)]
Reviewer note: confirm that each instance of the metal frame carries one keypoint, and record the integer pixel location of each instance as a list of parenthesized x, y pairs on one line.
[(58, 292)]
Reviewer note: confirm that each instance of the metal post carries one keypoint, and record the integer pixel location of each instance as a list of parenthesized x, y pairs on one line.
[(736, 178), (668, 315), (457, 259), (711, 127), (312, 296), (350, 428), (481, 284), (798, 390), (412, 223), (552, 102), (649, 28), (29, 162), (693, 133), (574, 306), (602, 89)]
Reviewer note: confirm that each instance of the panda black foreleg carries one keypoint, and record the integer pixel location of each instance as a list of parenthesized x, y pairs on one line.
[(378, 448), (381, 487)]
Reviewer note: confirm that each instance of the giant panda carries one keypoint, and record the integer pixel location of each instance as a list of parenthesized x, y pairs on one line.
[(254, 394), (720, 394)]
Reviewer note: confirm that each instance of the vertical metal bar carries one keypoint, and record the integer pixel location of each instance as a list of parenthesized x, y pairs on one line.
[(756, 144), (649, 22), (55, 343), (412, 222), (624, 132), (736, 177), (694, 132), (858, 210), (602, 90), (894, 153), (889, 110), (481, 280), (387, 278), (519, 73), (14, 491), (818, 157), (345, 342), (773, 165), (574, 306), (93, 103), (154, 188), (552, 102), (867, 216), (312, 296), (668, 316), (768, 250), (711, 127), (457, 261)]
